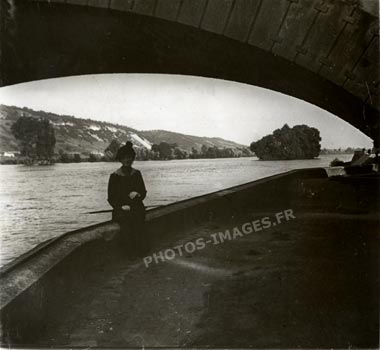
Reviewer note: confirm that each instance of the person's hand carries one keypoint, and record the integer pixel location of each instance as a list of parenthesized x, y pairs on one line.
[(134, 195), (126, 208)]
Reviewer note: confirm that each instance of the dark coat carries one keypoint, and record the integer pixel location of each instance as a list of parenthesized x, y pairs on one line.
[(121, 184)]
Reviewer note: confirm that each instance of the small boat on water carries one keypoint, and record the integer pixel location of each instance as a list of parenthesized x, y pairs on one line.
[(287, 261)]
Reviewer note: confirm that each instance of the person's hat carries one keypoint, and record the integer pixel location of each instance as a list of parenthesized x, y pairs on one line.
[(125, 151)]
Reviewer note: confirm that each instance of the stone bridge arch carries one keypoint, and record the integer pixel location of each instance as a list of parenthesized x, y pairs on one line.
[(325, 52)]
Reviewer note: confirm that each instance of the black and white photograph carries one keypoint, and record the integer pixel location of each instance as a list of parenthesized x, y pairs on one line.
[(189, 174)]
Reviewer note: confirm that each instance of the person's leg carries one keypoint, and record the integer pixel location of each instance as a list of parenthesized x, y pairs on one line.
[(123, 218), (137, 231)]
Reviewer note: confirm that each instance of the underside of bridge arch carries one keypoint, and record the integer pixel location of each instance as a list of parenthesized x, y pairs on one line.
[(49, 39)]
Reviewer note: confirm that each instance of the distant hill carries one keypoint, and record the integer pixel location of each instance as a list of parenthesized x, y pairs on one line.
[(187, 141), (85, 135)]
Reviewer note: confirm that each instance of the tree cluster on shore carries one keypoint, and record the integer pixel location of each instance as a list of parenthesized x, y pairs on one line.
[(37, 138), (348, 150), (169, 151), (162, 151), (299, 142)]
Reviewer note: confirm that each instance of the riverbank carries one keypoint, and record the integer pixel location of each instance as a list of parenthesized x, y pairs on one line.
[(44, 162), (18, 161)]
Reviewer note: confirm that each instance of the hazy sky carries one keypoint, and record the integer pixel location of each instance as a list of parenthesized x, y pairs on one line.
[(190, 105)]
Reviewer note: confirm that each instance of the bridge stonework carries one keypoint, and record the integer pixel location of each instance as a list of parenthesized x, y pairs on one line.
[(337, 40)]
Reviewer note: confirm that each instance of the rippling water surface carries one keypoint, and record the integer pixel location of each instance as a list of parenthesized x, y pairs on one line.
[(41, 202)]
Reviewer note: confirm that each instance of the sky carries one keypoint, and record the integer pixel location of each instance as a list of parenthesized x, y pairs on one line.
[(190, 105)]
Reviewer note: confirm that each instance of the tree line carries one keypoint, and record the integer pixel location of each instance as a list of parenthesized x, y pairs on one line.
[(169, 151)]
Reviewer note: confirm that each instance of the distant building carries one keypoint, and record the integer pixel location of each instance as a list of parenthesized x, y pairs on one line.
[(10, 154)]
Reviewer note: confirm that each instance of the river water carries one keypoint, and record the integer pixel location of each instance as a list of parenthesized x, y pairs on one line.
[(41, 202)]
